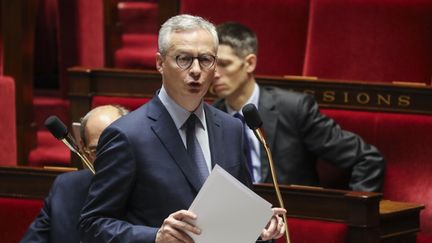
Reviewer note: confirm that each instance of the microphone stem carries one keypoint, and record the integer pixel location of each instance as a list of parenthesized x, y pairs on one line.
[(86, 162), (260, 136), (83, 158)]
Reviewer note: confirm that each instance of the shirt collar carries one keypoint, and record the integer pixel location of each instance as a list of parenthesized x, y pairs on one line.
[(178, 113), (252, 99)]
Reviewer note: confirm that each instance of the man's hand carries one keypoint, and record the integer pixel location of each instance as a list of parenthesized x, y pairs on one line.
[(175, 226), (275, 227)]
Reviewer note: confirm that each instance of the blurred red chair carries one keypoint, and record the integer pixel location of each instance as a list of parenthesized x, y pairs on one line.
[(130, 103), (280, 25), (8, 143), (405, 140), (131, 30), (372, 40)]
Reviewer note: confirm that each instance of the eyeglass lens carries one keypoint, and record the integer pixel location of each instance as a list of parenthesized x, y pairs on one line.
[(206, 61)]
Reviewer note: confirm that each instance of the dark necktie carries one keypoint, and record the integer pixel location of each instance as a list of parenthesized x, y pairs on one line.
[(194, 150), (246, 148)]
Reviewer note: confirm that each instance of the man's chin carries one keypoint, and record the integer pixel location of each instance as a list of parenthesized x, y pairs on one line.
[(221, 94)]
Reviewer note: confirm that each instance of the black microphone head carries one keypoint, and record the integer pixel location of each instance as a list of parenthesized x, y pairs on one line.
[(56, 127), (252, 117)]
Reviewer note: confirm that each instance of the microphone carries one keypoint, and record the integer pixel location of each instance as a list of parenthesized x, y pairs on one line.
[(254, 122), (59, 130)]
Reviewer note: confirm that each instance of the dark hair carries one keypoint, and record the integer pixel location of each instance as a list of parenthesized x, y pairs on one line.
[(239, 37)]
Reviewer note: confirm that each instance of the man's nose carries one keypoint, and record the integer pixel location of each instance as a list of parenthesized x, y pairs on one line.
[(217, 74), (195, 67)]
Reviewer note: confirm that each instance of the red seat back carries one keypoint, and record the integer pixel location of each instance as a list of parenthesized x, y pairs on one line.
[(405, 141), (373, 40), (280, 25), (138, 25), (8, 143), (309, 230), (130, 103), (16, 215)]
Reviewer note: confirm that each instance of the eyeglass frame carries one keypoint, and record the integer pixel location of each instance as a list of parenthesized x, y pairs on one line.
[(193, 59)]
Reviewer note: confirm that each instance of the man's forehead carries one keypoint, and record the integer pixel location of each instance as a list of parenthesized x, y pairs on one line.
[(188, 40), (226, 53)]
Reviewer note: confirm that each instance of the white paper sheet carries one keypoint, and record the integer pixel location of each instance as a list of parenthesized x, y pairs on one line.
[(228, 211)]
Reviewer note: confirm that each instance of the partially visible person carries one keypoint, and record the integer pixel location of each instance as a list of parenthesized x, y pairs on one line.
[(58, 219), (297, 132), (151, 164)]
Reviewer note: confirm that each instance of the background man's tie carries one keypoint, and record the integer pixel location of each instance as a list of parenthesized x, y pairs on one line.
[(247, 148)]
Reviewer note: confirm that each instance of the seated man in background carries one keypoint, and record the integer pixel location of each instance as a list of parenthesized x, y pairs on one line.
[(58, 219), (297, 132)]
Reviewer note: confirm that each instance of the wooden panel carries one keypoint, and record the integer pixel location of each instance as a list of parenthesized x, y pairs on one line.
[(27, 182), (337, 94), (368, 218)]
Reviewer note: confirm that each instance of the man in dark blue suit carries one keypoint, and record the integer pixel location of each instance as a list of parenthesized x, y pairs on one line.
[(58, 219), (147, 175)]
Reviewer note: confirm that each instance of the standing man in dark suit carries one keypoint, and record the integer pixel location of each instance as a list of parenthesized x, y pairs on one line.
[(151, 164), (58, 219), (297, 132)]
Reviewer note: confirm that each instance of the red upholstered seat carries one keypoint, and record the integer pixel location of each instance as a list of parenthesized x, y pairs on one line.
[(280, 25), (424, 238), (139, 25), (16, 215), (405, 141), (136, 58), (90, 33), (49, 151), (130, 103), (359, 122), (45, 106), (308, 231), (374, 40), (138, 16), (8, 146)]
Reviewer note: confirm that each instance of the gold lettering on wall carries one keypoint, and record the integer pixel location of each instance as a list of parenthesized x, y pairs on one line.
[(329, 96), (404, 100), (345, 97), (360, 98), (363, 98), (384, 99)]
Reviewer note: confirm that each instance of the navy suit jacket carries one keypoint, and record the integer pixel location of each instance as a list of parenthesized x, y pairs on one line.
[(144, 173), (58, 219)]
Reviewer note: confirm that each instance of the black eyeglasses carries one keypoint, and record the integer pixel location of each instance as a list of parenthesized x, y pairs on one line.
[(205, 61)]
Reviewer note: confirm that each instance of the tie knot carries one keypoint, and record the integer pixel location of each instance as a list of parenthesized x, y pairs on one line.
[(190, 122), (239, 116)]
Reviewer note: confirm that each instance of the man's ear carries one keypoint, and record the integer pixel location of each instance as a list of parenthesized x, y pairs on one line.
[(251, 61), (159, 62)]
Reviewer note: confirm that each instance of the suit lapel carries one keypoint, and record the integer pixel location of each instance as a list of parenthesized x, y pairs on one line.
[(269, 114), (167, 132), (215, 133)]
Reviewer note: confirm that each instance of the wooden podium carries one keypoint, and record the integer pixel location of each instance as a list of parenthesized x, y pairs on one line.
[(369, 218)]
